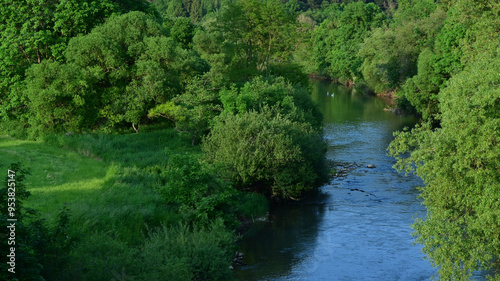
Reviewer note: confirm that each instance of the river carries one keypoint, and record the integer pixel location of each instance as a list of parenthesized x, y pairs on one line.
[(357, 227)]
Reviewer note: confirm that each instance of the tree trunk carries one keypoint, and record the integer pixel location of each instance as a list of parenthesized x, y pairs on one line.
[(135, 129)]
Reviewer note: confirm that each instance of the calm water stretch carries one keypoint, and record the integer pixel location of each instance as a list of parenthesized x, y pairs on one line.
[(358, 226)]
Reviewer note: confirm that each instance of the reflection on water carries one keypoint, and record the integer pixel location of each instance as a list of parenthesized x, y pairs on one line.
[(358, 227)]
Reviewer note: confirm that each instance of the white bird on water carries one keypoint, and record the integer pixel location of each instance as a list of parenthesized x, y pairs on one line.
[(328, 93)]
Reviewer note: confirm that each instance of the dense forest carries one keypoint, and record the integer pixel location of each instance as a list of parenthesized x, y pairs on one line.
[(189, 117)]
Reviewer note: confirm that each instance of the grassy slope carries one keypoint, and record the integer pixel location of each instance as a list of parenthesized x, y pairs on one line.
[(95, 175), (99, 179), (107, 182), (58, 175)]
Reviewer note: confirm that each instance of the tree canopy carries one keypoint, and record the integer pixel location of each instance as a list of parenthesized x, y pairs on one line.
[(458, 161)]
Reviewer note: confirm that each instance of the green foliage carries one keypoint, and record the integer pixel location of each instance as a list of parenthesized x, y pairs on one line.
[(193, 110), (422, 89), (268, 139), (448, 56), (35, 31), (338, 39), (113, 76), (266, 152), (196, 10), (31, 32), (196, 192), (292, 101), (182, 31), (259, 31), (413, 11), (390, 54), (188, 253), (460, 166)]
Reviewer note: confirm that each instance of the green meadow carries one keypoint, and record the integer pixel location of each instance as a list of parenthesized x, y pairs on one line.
[(118, 217)]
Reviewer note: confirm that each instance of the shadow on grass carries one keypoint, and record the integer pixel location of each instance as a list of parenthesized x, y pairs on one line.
[(129, 150)]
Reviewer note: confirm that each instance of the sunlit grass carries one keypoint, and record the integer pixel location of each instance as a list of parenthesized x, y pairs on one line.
[(94, 177), (108, 183)]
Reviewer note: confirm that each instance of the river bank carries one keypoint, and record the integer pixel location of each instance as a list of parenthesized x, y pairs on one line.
[(357, 227)]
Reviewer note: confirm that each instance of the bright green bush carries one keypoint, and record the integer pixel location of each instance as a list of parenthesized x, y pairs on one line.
[(266, 152), (292, 101)]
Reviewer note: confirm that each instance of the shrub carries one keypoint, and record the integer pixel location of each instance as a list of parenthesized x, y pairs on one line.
[(188, 253), (195, 191), (266, 152)]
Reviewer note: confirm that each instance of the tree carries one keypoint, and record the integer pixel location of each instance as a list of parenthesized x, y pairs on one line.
[(115, 74), (338, 39), (458, 161), (268, 139), (33, 31), (450, 53), (459, 164), (390, 54), (193, 110), (182, 31), (259, 30)]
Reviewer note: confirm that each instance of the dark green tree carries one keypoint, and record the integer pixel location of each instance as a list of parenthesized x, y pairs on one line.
[(338, 39), (112, 77)]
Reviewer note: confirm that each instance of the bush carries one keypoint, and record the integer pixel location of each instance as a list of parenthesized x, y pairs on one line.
[(266, 152), (188, 253), (196, 192), (293, 101)]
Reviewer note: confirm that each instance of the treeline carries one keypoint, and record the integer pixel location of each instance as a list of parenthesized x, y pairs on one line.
[(232, 75), (456, 150), (441, 61)]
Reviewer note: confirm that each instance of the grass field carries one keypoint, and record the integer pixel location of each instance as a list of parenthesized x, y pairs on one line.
[(94, 175), (117, 217)]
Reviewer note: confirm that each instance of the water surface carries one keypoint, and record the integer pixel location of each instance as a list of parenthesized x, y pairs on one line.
[(358, 226)]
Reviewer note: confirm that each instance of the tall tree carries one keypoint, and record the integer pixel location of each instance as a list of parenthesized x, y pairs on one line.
[(458, 161), (260, 30), (339, 39), (113, 76), (33, 31)]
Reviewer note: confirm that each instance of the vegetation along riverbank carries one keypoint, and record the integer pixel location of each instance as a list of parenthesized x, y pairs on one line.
[(152, 129)]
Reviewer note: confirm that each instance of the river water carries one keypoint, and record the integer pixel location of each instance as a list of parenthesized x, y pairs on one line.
[(357, 227)]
